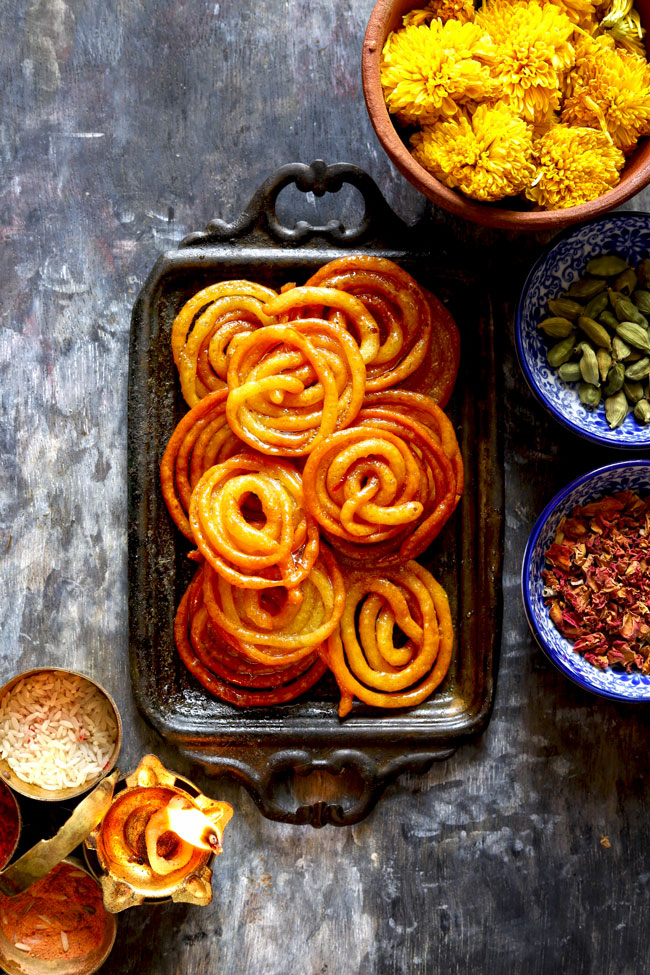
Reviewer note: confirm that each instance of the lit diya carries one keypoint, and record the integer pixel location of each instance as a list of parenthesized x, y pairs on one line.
[(157, 840)]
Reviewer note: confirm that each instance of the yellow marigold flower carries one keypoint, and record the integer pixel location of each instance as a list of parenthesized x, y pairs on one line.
[(444, 10), (574, 165), (580, 12), (487, 155), (427, 71), (534, 50), (622, 22), (611, 90)]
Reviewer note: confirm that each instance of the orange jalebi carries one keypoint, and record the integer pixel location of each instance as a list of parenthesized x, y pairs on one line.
[(291, 385), (271, 627), (231, 676), (398, 305), (364, 655), (208, 328), (397, 402), (201, 439), (382, 489), (249, 522)]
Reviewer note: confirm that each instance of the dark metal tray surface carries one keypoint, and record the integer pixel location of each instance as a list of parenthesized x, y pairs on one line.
[(263, 748)]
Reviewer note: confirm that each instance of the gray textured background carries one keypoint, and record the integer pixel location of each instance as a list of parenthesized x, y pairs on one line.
[(126, 124)]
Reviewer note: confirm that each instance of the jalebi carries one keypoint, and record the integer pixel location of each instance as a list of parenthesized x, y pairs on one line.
[(367, 660), (228, 675), (382, 489), (291, 385), (201, 439), (208, 328), (249, 522)]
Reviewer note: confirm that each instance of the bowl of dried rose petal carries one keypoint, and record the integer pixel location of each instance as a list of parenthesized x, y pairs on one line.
[(585, 581)]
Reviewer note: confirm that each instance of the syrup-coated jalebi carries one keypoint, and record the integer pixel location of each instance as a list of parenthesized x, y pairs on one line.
[(291, 385), (201, 439), (272, 627), (249, 522), (208, 328), (229, 675), (398, 403), (364, 655), (382, 489), (398, 305)]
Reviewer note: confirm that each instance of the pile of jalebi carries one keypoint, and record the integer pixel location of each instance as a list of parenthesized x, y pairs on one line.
[(296, 436)]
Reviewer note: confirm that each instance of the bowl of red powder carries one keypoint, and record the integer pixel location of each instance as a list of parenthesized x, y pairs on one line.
[(586, 581), (10, 824), (59, 924)]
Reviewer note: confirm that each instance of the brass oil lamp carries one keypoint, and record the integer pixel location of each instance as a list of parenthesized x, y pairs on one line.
[(157, 840)]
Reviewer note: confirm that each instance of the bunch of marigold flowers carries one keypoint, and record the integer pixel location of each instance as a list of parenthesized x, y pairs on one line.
[(544, 98)]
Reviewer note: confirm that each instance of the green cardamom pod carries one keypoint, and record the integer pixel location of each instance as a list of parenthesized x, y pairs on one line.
[(643, 272), (626, 282), (616, 409), (638, 370), (634, 356), (615, 379), (587, 289), (642, 411), (589, 395), (642, 301), (565, 308), (620, 349), (626, 311), (606, 266), (589, 365), (604, 363), (608, 318), (561, 352), (557, 328), (633, 391), (597, 333), (634, 334), (569, 372), (596, 306)]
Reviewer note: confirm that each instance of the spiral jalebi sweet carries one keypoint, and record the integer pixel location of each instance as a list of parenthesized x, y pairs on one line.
[(397, 403), (208, 328), (367, 660), (291, 385), (398, 305), (229, 675), (201, 440), (249, 522), (270, 627), (380, 490)]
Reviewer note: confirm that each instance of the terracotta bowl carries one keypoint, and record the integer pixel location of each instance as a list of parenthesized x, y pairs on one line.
[(387, 16)]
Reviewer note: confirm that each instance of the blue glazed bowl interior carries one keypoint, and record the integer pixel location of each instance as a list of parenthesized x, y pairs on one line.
[(625, 234), (614, 683)]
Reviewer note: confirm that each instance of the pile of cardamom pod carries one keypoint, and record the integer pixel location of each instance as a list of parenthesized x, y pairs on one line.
[(601, 323)]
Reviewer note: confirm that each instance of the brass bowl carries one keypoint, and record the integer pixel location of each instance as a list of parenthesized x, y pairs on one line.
[(16, 962), (386, 17), (56, 795)]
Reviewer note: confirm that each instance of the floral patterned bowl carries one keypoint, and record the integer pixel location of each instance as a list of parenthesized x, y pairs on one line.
[(626, 234), (616, 683)]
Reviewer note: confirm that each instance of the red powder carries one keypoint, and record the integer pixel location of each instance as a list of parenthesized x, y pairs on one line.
[(60, 916), (8, 824)]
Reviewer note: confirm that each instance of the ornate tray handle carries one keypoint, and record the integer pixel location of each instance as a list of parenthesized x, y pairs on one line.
[(375, 773), (319, 178)]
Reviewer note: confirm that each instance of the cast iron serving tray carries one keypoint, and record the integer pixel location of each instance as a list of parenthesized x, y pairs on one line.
[(264, 748)]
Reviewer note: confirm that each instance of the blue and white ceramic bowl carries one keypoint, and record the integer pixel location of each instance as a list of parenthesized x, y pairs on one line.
[(626, 234), (631, 475)]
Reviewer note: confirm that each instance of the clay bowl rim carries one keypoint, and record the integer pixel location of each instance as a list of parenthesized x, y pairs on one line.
[(33, 791), (384, 17), (22, 964)]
